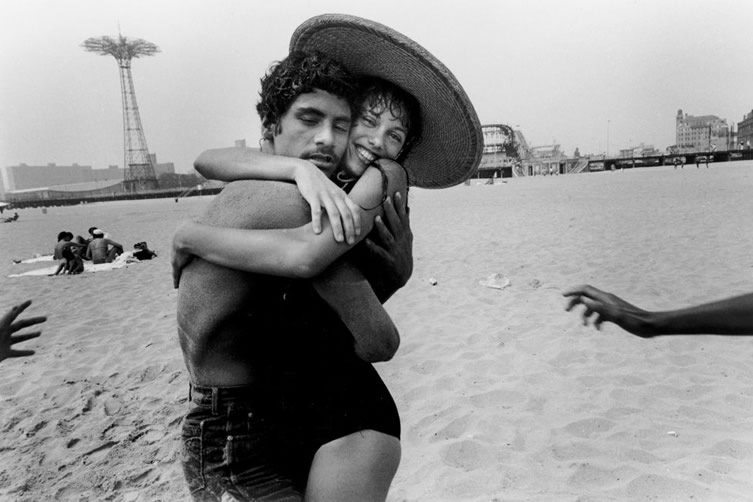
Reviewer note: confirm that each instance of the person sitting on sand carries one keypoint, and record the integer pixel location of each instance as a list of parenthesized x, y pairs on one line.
[(57, 254), (9, 325), (729, 316), (73, 255), (11, 219), (68, 254), (102, 249)]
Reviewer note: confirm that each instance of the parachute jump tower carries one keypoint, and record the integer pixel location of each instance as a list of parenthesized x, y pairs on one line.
[(138, 164)]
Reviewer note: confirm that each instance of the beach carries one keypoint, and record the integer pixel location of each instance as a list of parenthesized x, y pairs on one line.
[(502, 394)]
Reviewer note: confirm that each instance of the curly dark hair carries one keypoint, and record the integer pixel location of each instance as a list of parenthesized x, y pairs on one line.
[(379, 94), (300, 73)]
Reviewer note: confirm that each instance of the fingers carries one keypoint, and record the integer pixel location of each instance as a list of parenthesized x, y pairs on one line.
[(333, 214), (20, 353), (21, 307), (14, 312), (402, 209), (583, 289), (597, 321), (376, 249), (24, 337), (587, 312), (316, 215), (347, 221), (179, 262), (384, 233), (572, 302), (391, 214), (355, 213), (24, 323)]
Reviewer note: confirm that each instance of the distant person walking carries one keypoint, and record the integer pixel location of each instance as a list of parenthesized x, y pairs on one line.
[(102, 249)]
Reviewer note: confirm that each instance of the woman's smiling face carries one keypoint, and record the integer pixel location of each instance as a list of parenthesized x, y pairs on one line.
[(378, 132)]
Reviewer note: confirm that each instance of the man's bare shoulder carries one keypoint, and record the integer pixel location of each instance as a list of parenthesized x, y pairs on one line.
[(258, 204)]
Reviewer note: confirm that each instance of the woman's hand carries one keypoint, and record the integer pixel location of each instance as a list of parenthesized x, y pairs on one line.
[(180, 257), (320, 193)]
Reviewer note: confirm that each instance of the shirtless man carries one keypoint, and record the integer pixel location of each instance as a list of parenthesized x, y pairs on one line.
[(229, 321), (101, 249)]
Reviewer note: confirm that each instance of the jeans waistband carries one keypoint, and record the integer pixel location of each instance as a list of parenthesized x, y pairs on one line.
[(222, 396)]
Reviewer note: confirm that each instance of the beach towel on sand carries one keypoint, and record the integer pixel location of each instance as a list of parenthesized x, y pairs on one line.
[(121, 261)]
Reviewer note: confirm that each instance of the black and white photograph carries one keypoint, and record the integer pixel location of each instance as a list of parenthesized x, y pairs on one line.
[(402, 251)]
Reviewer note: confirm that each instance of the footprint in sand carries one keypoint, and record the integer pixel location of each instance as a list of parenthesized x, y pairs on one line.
[(589, 427), (731, 448), (453, 430), (468, 455), (654, 487), (497, 399)]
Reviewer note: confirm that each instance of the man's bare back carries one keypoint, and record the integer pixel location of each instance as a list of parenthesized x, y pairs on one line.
[(214, 302)]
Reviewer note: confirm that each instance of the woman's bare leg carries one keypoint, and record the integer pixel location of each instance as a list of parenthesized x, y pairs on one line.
[(359, 466)]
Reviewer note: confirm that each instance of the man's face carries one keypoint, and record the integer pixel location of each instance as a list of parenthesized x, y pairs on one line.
[(314, 128)]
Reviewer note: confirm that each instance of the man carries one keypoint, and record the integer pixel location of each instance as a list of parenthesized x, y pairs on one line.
[(101, 249), (229, 322)]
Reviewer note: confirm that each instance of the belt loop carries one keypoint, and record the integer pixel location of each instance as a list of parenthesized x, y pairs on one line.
[(215, 399)]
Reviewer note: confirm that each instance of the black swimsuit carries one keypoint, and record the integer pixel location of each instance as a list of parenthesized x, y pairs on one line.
[(320, 388)]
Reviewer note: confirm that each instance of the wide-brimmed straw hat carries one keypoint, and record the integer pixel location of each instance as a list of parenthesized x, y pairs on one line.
[(449, 150)]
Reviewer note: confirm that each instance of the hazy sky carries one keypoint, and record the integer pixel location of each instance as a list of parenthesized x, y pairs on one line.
[(572, 72)]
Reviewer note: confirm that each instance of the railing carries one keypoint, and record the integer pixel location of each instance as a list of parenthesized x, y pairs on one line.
[(579, 167)]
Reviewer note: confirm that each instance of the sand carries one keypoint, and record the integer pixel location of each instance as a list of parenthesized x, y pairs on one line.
[(502, 394)]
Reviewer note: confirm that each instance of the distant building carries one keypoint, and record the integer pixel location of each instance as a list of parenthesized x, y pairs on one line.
[(641, 150), (745, 132), (701, 133), (546, 159), (159, 169), (25, 177), (499, 142)]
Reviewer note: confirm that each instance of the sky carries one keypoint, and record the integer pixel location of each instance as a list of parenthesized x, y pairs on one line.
[(590, 74)]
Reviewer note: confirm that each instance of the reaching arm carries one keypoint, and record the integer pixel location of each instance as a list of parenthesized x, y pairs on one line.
[(298, 252), (9, 325), (230, 164), (345, 289), (730, 316)]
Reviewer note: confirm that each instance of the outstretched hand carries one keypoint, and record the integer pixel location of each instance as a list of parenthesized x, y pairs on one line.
[(601, 306), (320, 192), (180, 258), (8, 327)]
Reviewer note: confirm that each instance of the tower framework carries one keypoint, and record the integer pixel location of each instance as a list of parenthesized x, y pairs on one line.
[(139, 165)]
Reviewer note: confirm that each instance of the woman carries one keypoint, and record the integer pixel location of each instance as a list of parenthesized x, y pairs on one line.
[(356, 465), (388, 123)]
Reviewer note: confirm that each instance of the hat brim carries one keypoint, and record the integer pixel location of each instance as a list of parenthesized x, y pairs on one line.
[(451, 145)]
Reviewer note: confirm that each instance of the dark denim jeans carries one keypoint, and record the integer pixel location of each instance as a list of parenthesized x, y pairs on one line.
[(230, 447)]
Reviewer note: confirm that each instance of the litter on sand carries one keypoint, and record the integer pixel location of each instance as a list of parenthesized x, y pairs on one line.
[(495, 281)]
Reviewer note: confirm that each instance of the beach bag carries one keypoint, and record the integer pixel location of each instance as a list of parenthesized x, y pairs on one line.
[(143, 252)]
